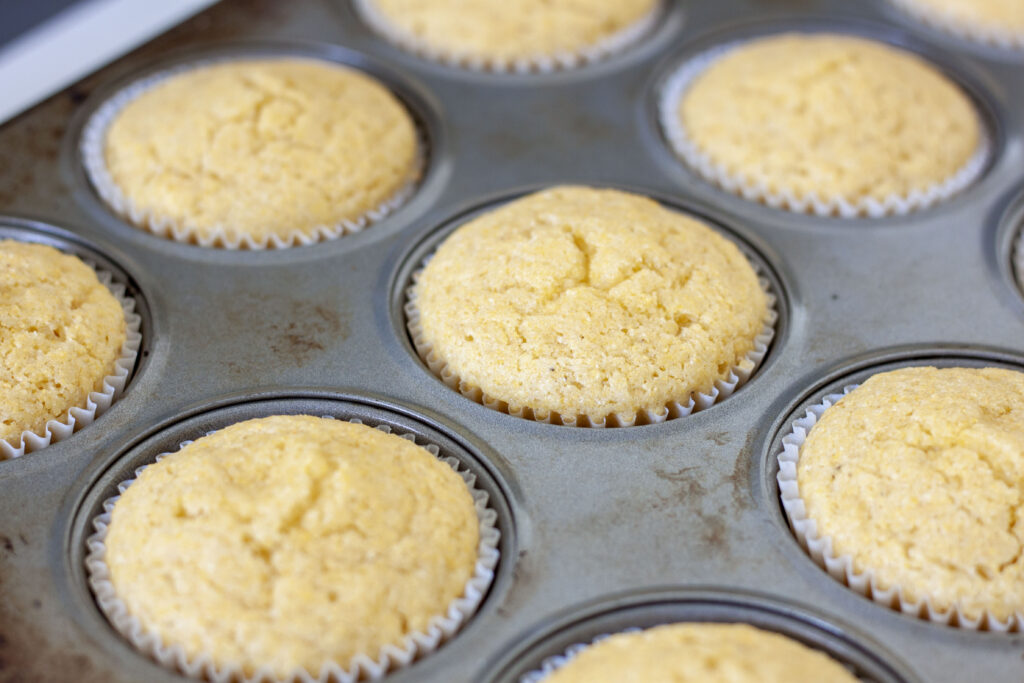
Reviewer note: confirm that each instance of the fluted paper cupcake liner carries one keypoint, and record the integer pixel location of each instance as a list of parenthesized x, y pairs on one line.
[(365, 666), (696, 401), (989, 34), (96, 402), (541, 63), (893, 205), (550, 664), (841, 567), (92, 151)]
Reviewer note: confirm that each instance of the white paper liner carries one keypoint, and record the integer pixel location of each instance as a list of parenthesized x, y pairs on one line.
[(696, 401), (92, 146), (541, 63), (754, 190), (361, 667), (989, 34), (840, 567), (550, 664), (96, 402)]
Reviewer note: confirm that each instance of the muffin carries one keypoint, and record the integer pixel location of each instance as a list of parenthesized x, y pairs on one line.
[(521, 35), (823, 123), (63, 333), (291, 545), (699, 653), (910, 487), (997, 22), (583, 306), (254, 152)]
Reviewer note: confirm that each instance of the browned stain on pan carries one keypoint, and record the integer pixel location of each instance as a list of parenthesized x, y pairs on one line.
[(318, 327), (740, 476), (282, 329), (28, 653)]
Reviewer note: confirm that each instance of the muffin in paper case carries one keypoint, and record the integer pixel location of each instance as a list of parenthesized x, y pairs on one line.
[(696, 401), (364, 666), (967, 19), (841, 567), (92, 150), (603, 48), (812, 663), (97, 402), (675, 89)]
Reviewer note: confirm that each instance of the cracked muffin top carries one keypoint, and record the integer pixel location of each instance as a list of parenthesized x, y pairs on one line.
[(582, 301), (918, 474), (290, 541), (700, 653), (828, 115), (262, 147), (61, 332)]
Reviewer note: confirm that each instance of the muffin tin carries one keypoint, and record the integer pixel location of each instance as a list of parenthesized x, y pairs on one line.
[(602, 529)]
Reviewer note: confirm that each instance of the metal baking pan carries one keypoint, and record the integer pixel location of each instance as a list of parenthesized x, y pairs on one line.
[(601, 529)]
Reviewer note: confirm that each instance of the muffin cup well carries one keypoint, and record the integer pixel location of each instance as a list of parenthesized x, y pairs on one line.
[(988, 34), (721, 389), (674, 89), (1018, 259), (840, 567), (98, 401), (367, 666), (92, 152), (541, 63)]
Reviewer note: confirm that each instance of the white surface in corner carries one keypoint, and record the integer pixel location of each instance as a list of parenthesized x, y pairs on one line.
[(78, 41)]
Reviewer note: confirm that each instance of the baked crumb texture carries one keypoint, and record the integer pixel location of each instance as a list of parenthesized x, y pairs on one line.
[(523, 36), (826, 124), (63, 334), (911, 489), (288, 546), (994, 22), (589, 307), (696, 653), (254, 153)]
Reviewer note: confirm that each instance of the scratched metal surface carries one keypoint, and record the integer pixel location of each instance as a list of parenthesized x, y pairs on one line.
[(603, 530)]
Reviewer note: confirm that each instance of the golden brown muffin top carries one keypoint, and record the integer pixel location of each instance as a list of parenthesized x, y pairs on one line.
[(262, 147), (918, 474), (830, 115), (589, 302), (700, 653), (61, 332), (291, 541)]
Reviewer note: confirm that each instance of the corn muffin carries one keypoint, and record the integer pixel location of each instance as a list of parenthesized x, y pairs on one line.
[(583, 302), (837, 118), (700, 653), (918, 475), (291, 541), (260, 150), (62, 333), (501, 33), (1000, 22)]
